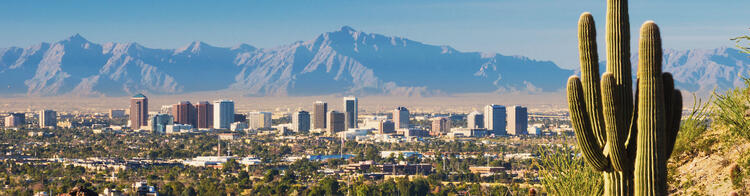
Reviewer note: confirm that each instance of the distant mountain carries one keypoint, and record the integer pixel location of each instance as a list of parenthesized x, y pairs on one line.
[(345, 61)]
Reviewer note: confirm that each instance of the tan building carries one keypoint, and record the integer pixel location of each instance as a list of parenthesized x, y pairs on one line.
[(440, 126), (320, 110), (401, 118), (138, 111), (205, 115), (336, 122)]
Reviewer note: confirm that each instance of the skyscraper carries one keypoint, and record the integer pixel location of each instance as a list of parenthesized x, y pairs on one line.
[(475, 120), (47, 118), (205, 115), (15, 120), (301, 121), (320, 110), (518, 120), (351, 110), (185, 113), (441, 125), (159, 122), (401, 117), (386, 126), (223, 114), (138, 111), (336, 122), (494, 119), (259, 120)]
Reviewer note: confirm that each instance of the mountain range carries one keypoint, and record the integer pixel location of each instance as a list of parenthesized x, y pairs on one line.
[(345, 61)]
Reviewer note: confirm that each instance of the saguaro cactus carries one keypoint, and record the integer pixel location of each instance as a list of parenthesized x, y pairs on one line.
[(605, 118)]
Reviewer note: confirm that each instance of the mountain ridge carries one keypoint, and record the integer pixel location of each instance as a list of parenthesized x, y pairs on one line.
[(345, 61)]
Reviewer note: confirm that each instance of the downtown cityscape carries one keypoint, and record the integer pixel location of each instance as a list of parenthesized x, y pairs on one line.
[(374, 98), (123, 151)]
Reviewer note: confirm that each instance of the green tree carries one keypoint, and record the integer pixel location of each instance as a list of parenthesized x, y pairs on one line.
[(330, 185)]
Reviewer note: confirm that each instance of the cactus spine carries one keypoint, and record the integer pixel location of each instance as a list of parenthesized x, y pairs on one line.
[(606, 119)]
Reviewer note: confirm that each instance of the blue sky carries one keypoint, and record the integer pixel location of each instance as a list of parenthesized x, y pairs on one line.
[(540, 29)]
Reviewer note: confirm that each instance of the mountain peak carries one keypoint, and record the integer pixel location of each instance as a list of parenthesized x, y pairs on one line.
[(77, 38), (347, 28), (193, 47)]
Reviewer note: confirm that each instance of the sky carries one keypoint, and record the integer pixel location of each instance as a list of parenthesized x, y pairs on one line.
[(539, 29)]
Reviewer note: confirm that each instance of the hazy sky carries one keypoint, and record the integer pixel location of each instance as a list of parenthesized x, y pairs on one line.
[(540, 29)]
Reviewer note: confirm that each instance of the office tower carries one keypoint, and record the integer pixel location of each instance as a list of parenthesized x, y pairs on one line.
[(185, 113), (205, 115), (15, 120), (138, 111), (336, 122), (441, 126), (386, 126), (301, 121), (159, 122), (494, 119), (351, 110), (240, 118), (475, 120), (223, 114), (259, 120), (401, 117), (518, 120), (47, 118), (320, 110), (116, 113)]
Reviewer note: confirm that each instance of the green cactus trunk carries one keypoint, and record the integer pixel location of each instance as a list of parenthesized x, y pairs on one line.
[(629, 147)]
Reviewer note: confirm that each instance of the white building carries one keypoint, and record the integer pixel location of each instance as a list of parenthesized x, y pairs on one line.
[(179, 128), (518, 120), (238, 126), (223, 114), (259, 120), (494, 119)]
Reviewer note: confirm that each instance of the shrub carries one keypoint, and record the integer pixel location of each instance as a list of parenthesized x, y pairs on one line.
[(562, 172), (733, 110)]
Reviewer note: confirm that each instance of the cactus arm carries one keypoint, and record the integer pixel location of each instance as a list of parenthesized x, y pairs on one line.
[(650, 162), (618, 55), (673, 123), (590, 74), (592, 153), (632, 141), (616, 130)]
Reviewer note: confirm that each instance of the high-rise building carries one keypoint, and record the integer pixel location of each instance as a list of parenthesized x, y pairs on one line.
[(386, 126), (401, 117), (47, 118), (15, 120), (475, 120), (223, 114), (441, 126), (185, 113), (116, 113), (259, 120), (159, 122), (205, 115), (494, 119), (138, 111), (351, 110), (240, 118), (301, 121), (336, 122), (518, 120), (320, 110)]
